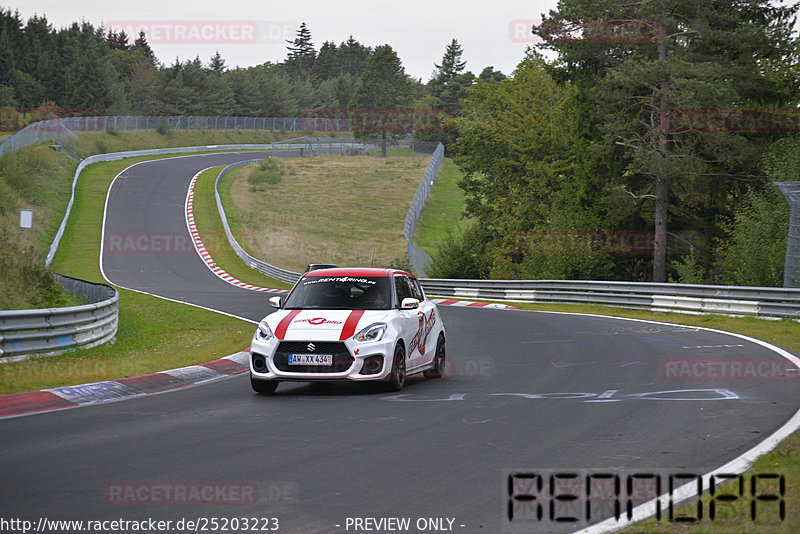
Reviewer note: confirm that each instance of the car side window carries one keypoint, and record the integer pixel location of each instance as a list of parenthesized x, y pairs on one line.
[(416, 290), (402, 289)]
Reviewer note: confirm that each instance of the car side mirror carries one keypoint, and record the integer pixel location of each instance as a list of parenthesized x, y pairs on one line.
[(409, 304), (275, 302)]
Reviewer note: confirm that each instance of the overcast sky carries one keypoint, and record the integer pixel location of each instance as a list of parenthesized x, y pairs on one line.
[(250, 32)]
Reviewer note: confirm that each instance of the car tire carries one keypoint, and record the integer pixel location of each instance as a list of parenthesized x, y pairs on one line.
[(397, 376), (263, 386), (439, 360)]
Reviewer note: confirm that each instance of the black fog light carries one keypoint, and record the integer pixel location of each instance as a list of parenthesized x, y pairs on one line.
[(259, 363), (372, 365)]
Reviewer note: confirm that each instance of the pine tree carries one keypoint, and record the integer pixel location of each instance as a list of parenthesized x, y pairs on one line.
[(217, 64), (327, 64), (141, 44), (86, 86), (300, 59), (353, 57), (376, 105), (488, 73), (451, 61)]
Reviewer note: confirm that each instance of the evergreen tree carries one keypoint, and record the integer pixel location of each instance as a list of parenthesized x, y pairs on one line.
[(141, 45), (375, 106), (488, 73), (246, 92), (300, 59), (7, 60), (451, 61), (353, 57), (86, 86), (451, 67), (326, 65), (217, 64)]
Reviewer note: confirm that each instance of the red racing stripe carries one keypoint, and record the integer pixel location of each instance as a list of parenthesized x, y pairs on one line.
[(280, 332), (350, 324)]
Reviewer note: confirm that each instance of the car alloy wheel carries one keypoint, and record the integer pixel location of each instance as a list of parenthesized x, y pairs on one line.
[(438, 360), (397, 377)]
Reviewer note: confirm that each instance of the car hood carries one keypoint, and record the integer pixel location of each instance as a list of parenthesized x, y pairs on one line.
[(322, 325)]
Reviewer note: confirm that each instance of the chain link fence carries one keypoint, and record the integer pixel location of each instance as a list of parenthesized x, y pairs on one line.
[(62, 132), (791, 269), (418, 258)]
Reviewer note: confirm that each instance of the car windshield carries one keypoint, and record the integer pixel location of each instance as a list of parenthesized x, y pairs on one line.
[(340, 293)]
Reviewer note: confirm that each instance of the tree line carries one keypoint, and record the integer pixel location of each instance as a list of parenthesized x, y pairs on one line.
[(646, 150), (83, 69)]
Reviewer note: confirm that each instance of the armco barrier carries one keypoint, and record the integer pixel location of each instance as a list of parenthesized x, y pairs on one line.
[(57, 329), (686, 298)]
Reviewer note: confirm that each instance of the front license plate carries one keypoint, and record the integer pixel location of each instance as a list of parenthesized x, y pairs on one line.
[(311, 359)]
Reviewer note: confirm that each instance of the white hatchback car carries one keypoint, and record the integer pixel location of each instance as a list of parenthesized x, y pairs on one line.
[(353, 324)]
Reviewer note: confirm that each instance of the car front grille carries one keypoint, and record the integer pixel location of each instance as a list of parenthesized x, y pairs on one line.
[(342, 359)]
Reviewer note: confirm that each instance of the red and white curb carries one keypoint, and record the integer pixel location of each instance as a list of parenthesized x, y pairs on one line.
[(471, 304), (201, 249), (60, 398)]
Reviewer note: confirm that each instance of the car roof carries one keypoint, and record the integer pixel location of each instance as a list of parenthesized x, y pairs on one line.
[(358, 271)]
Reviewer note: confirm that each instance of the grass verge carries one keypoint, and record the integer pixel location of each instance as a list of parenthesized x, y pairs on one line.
[(118, 141), (328, 209), (441, 214)]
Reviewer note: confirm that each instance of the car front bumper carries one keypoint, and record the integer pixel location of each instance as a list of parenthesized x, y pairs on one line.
[(352, 361)]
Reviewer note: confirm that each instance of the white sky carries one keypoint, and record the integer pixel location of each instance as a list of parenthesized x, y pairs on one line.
[(419, 31)]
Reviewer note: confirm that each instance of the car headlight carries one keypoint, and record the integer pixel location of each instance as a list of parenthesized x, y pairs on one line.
[(263, 332), (373, 332)]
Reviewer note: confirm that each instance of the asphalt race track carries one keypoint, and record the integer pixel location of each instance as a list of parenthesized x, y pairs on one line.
[(524, 391)]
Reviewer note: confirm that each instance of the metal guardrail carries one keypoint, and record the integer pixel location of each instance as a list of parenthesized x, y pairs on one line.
[(686, 298), (418, 258), (58, 329)]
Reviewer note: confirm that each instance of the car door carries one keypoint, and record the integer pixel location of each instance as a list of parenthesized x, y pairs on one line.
[(408, 320), (427, 318)]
